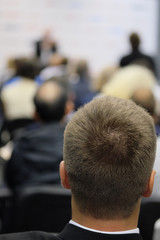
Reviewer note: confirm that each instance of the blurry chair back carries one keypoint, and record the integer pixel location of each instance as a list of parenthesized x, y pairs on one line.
[(44, 208)]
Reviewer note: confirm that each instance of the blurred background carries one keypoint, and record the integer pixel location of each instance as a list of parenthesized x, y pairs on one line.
[(73, 51), (96, 31)]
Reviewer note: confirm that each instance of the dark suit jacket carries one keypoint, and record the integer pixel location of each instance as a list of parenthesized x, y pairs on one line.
[(139, 58), (36, 156), (38, 48), (70, 232)]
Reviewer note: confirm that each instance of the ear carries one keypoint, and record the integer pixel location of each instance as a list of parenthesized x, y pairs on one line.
[(149, 188), (69, 107), (64, 176), (36, 116)]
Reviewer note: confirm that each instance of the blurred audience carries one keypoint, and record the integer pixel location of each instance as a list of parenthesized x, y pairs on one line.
[(17, 92), (145, 98), (56, 67), (38, 151), (8, 72), (136, 56), (81, 82), (126, 80), (104, 77)]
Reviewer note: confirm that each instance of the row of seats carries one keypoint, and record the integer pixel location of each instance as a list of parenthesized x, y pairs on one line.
[(48, 208)]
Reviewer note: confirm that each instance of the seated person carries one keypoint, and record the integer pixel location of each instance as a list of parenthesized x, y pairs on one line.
[(37, 153), (145, 98), (18, 91), (108, 162), (81, 84)]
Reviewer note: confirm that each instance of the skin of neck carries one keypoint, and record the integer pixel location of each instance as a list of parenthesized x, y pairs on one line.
[(105, 225)]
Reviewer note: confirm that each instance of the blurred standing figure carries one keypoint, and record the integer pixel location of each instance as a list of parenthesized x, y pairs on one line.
[(44, 48), (136, 56)]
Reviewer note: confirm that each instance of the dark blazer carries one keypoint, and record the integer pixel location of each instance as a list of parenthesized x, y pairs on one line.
[(36, 156), (38, 48), (138, 57), (70, 232)]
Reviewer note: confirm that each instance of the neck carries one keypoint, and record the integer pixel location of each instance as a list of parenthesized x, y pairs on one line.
[(107, 225)]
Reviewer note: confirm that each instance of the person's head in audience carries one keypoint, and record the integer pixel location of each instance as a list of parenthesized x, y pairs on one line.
[(52, 102), (109, 151), (144, 97), (26, 68)]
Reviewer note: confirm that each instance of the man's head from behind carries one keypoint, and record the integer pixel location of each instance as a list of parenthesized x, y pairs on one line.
[(144, 97), (109, 150), (51, 101)]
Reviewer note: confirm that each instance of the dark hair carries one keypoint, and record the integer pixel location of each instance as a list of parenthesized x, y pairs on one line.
[(53, 109), (134, 40), (26, 68)]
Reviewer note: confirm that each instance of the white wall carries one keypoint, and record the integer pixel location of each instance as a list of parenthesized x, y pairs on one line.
[(93, 29)]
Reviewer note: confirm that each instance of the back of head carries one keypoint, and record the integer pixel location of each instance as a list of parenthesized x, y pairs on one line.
[(82, 68), (109, 150), (50, 101), (134, 41), (26, 68), (144, 97)]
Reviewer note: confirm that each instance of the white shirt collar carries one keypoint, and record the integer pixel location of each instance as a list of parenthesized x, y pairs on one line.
[(136, 230)]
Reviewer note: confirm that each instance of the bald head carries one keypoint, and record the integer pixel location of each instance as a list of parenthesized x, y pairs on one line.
[(50, 101), (49, 91), (145, 98)]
